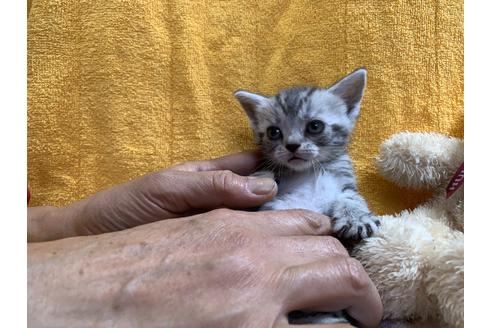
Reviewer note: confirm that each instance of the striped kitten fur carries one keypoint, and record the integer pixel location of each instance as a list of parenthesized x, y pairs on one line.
[(304, 133)]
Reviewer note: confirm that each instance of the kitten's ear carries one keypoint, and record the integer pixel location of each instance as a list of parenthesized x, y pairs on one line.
[(351, 89), (251, 102)]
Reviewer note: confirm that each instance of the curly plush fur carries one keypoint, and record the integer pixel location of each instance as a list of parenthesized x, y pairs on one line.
[(417, 258)]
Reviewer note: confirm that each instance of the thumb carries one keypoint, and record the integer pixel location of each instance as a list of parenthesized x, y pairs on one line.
[(186, 191)]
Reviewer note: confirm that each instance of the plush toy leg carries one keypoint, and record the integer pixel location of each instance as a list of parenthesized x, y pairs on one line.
[(402, 261), (445, 278), (394, 260)]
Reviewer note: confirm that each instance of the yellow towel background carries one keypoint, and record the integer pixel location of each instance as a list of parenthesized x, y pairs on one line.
[(119, 88)]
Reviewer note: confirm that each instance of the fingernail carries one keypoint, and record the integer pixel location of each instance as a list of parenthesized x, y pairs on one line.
[(261, 186)]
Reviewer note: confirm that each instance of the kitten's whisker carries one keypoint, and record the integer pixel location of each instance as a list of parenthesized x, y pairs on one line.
[(321, 168)]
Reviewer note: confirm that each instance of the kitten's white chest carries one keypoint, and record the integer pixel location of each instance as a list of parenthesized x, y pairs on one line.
[(308, 191)]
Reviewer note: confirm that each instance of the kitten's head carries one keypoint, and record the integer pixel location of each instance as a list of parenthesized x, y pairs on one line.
[(301, 127)]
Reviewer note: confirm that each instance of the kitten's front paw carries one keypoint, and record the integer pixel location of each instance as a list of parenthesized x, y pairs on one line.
[(355, 228)]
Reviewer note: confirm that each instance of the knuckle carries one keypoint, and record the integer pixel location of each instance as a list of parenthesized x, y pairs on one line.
[(222, 179), (286, 277), (312, 221), (356, 275), (336, 246)]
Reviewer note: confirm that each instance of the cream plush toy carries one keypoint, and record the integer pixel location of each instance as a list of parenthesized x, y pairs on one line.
[(417, 258)]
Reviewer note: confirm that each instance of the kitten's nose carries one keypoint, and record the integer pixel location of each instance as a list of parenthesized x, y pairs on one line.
[(292, 147)]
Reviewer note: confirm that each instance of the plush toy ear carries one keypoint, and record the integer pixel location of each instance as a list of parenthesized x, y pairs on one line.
[(251, 103), (351, 89)]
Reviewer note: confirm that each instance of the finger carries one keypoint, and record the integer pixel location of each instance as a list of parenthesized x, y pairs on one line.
[(242, 163), (289, 222), (181, 192), (337, 283)]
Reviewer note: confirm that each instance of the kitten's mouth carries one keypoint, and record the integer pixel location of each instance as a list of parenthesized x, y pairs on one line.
[(298, 163), (295, 159)]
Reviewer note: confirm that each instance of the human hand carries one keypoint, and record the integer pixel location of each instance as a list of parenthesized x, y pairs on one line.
[(223, 268), (181, 190)]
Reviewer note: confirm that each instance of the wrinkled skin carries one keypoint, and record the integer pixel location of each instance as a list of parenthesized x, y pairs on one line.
[(179, 191), (165, 268)]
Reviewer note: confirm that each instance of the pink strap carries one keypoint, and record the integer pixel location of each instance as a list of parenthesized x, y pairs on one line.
[(456, 181)]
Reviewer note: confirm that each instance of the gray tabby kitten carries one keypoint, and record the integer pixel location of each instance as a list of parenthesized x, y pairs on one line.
[(303, 133)]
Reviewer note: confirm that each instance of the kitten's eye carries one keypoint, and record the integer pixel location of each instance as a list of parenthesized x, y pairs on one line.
[(315, 127), (274, 133)]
